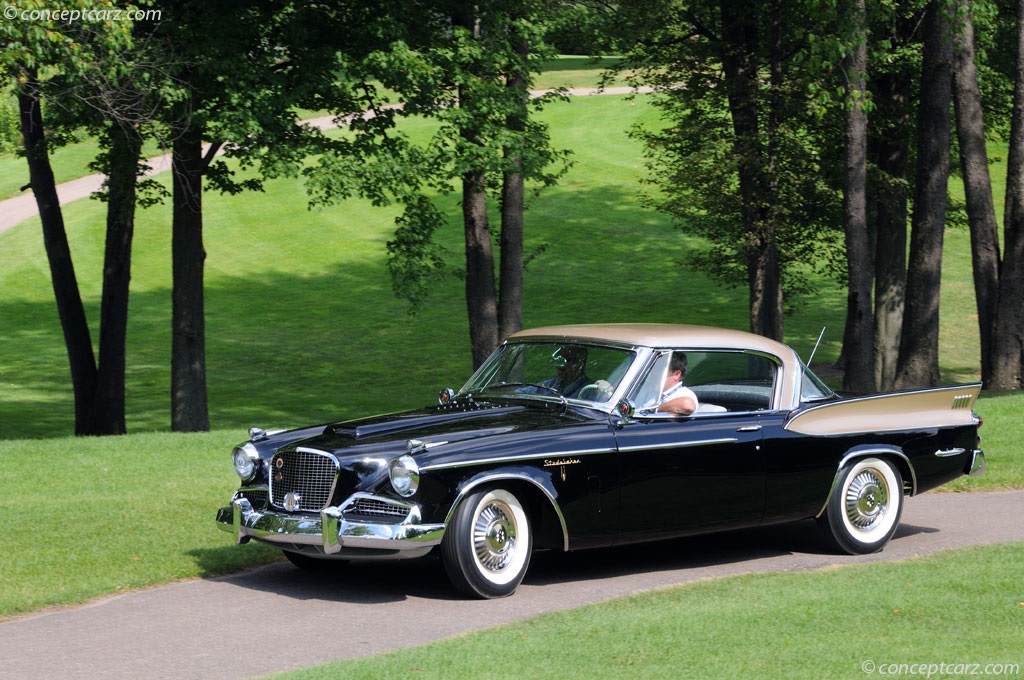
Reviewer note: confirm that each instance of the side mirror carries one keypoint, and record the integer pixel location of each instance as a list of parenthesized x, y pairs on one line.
[(625, 410), (446, 396)]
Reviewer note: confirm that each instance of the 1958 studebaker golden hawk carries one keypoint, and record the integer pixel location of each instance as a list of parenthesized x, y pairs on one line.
[(557, 442)]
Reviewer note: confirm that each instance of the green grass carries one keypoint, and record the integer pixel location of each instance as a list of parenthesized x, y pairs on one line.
[(85, 517), (851, 622)]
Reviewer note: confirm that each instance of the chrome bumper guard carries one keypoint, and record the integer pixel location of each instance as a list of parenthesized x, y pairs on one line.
[(977, 465), (330, 531)]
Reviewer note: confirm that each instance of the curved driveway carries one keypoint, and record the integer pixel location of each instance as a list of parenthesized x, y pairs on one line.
[(277, 617)]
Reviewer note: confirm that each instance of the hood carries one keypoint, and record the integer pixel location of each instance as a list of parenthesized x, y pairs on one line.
[(461, 422)]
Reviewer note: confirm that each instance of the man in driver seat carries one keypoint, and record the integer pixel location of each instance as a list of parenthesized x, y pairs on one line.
[(570, 364)]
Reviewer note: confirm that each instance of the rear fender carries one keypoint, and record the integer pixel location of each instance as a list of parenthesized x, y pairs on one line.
[(893, 454)]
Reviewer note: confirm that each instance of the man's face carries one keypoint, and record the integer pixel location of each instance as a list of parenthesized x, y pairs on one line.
[(569, 371)]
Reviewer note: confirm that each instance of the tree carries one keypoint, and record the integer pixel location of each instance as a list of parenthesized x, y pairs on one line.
[(240, 74), (77, 337), (889, 148), (739, 161), (94, 85), (469, 66), (981, 214), (858, 343), (1008, 337), (919, 344)]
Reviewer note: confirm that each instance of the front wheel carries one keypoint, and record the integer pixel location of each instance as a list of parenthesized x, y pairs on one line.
[(486, 548), (865, 508)]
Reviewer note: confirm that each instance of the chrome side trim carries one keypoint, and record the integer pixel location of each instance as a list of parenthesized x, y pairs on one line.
[(515, 459), (863, 453), (681, 445), (948, 453)]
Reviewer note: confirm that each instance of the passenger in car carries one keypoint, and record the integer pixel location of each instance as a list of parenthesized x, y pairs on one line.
[(676, 397)]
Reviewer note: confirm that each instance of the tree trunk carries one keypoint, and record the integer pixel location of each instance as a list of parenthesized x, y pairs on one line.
[(919, 344), (889, 149), (981, 213), (741, 82), (1008, 340), (77, 338), (510, 302), (481, 295), (189, 411), (858, 344), (109, 404), (481, 290)]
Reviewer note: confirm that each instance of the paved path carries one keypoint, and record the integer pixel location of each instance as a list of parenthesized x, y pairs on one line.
[(278, 618), (14, 211)]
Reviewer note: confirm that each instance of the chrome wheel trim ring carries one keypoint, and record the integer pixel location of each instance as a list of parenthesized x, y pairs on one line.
[(494, 536), (867, 499), (500, 539), (869, 502)]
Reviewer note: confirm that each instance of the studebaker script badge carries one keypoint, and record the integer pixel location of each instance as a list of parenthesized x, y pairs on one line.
[(561, 463)]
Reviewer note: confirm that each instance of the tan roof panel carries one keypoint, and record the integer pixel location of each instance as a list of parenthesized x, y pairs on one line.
[(662, 335)]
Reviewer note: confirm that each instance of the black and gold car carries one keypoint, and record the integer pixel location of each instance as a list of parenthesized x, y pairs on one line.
[(557, 442)]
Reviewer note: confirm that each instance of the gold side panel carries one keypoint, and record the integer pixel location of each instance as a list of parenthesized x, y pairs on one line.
[(900, 411)]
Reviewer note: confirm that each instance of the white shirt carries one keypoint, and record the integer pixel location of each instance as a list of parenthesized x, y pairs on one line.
[(678, 391)]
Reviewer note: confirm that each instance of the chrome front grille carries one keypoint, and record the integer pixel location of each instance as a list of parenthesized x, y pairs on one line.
[(376, 508), (302, 480)]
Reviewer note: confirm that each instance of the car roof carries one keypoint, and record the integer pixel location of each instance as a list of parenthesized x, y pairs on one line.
[(661, 335)]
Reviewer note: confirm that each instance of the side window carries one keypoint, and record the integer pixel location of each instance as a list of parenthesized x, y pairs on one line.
[(735, 381)]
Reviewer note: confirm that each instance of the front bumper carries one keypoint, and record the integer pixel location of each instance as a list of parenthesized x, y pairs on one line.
[(330, 532)]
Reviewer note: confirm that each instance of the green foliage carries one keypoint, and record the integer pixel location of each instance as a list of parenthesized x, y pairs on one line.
[(10, 127), (695, 157), (471, 77)]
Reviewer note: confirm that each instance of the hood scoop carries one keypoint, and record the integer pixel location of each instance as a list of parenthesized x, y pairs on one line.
[(427, 418)]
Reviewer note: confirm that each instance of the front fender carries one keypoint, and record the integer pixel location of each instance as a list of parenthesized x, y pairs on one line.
[(539, 482)]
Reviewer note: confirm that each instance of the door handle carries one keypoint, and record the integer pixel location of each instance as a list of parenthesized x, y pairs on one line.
[(750, 428)]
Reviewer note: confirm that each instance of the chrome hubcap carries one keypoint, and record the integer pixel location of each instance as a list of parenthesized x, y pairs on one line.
[(867, 499), (494, 536)]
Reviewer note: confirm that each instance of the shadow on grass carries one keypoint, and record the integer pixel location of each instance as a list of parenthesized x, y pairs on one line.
[(288, 345)]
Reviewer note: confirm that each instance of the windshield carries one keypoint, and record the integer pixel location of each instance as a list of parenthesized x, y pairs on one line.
[(553, 369)]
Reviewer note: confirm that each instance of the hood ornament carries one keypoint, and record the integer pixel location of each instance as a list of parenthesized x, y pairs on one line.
[(418, 445)]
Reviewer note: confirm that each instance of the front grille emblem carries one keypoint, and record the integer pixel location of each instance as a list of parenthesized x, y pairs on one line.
[(291, 501)]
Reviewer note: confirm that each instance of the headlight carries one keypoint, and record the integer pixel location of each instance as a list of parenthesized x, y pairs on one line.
[(245, 459), (405, 476)]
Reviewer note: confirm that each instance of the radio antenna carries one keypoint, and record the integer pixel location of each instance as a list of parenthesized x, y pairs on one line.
[(820, 336)]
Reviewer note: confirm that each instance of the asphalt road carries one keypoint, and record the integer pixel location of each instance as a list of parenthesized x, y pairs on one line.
[(278, 617)]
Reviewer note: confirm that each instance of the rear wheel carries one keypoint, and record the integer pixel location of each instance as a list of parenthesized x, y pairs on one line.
[(486, 548), (865, 508)]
